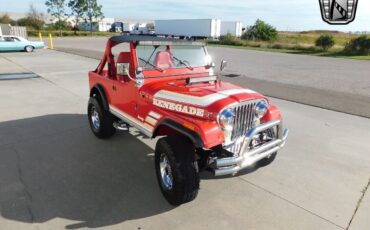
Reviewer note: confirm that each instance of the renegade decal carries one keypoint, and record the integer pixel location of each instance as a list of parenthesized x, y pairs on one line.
[(179, 107), (200, 101)]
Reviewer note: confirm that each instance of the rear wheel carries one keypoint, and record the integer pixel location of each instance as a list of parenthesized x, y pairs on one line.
[(177, 170), (100, 120), (28, 49)]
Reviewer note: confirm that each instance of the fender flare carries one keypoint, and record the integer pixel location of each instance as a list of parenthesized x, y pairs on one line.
[(103, 97), (193, 136)]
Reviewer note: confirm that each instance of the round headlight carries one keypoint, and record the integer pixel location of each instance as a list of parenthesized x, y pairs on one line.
[(261, 109), (226, 118), (226, 121)]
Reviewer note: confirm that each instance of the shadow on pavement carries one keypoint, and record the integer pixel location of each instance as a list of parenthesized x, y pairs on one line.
[(53, 167)]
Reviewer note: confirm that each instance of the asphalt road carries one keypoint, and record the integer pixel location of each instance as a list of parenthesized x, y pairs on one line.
[(54, 174), (332, 83)]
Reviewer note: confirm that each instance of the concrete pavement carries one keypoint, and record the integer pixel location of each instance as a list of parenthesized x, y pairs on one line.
[(55, 174)]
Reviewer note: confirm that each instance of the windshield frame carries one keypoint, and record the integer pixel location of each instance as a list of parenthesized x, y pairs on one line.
[(201, 45)]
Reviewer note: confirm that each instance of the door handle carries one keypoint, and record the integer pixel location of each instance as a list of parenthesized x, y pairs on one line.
[(114, 88)]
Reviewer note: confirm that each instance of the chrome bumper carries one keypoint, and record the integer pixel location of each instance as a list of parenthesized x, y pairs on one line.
[(246, 157)]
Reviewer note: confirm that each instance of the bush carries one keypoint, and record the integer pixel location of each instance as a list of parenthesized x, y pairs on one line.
[(32, 23), (275, 46), (5, 19), (33, 20), (260, 31), (325, 41), (59, 25), (230, 40), (359, 46)]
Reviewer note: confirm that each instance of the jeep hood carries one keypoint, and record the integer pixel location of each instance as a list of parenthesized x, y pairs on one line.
[(199, 100)]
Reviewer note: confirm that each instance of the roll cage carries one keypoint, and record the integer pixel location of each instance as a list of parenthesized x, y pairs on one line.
[(134, 41)]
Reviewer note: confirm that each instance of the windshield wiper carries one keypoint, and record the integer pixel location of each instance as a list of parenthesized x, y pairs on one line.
[(151, 55), (183, 62), (155, 67)]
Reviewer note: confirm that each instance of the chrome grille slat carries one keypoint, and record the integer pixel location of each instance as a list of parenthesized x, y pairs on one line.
[(248, 115), (245, 109), (251, 113), (244, 119)]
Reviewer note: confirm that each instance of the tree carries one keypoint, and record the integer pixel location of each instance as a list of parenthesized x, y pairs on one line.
[(5, 19), (34, 19), (260, 31), (94, 11), (63, 25), (360, 46), (150, 26), (57, 9), (325, 41), (228, 39), (78, 8)]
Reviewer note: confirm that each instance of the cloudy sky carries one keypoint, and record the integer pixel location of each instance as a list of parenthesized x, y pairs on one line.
[(285, 15)]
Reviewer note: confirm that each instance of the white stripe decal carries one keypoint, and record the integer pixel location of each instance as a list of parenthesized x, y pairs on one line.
[(200, 101), (155, 115), (150, 120), (130, 118), (236, 91)]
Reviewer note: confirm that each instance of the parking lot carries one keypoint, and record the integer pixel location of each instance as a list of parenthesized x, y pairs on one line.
[(54, 174)]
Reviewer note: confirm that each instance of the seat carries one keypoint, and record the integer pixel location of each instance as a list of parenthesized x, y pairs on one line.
[(124, 57), (163, 60)]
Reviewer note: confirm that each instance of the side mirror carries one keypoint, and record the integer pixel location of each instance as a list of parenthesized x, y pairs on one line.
[(211, 65), (123, 69), (223, 65)]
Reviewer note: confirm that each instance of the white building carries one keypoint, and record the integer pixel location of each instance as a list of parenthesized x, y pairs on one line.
[(102, 25), (105, 24)]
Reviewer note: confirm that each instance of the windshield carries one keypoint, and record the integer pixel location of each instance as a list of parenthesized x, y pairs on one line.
[(163, 57)]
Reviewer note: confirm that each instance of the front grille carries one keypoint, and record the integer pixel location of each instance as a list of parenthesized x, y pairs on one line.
[(244, 118), (243, 121)]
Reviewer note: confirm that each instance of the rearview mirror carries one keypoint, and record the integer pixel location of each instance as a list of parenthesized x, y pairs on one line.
[(223, 65), (123, 68)]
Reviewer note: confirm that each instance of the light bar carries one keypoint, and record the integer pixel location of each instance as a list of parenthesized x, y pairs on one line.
[(201, 79)]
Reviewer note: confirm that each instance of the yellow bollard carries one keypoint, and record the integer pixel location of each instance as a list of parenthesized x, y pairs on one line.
[(51, 42), (40, 37)]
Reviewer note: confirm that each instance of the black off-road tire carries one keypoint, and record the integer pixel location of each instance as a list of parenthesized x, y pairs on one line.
[(180, 153), (267, 160), (105, 129), (28, 49)]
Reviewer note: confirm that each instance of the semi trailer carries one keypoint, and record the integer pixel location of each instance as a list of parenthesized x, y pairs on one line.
[(233, 28), (194, 28)]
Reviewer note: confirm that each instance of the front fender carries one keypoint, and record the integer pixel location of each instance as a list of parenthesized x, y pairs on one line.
[(98, 88), (273, 113), (204, 134)]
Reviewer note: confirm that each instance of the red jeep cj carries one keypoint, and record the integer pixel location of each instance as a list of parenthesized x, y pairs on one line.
[(167, 87)]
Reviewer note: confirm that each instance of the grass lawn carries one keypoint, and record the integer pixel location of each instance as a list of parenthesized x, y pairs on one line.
[(334, 54), (296, 43)]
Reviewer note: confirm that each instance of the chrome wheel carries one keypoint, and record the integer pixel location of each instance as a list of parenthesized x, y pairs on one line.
[(95, 118), (166, 172), (29, 48)]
